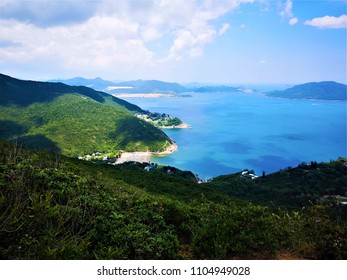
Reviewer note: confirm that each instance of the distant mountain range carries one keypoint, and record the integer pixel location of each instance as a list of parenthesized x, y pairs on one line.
[(73, 120), (144, 86), (314, 90), (321, 90), (136, 86), (97, 83)]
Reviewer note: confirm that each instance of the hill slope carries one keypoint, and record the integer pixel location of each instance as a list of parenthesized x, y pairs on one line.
[(74, 120), (321, 90), (62, 208), (290, 188)]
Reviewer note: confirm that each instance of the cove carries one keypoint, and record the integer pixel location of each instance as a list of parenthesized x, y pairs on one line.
[(235, 131)]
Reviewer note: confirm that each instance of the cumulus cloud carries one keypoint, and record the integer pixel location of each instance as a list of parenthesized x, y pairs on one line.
[(287, 12), (107, 34), (198, 31), (329, 22)]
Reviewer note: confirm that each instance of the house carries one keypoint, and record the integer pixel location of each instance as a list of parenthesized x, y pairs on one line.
[(248, 174)]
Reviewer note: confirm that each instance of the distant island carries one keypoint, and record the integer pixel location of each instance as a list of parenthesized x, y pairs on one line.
[(320, 90)]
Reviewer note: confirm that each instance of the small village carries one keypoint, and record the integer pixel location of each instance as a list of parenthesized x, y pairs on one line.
[(99, 156), (159, 120)]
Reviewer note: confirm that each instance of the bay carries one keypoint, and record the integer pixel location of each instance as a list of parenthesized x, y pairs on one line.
[(236, 131)]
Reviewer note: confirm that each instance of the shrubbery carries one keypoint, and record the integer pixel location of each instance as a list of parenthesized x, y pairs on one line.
[(53, 207)]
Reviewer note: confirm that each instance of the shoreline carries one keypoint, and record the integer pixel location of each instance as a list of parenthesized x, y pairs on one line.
[(180, 126), (146, 156), (145, 95)]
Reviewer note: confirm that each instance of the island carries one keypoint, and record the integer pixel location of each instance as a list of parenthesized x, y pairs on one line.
[(314, 90)]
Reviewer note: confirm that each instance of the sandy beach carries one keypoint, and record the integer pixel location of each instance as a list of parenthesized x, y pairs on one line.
[(145, 156), (182, 125), (144, 95)]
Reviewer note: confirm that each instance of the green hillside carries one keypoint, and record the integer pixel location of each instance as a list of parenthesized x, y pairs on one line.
[(321, 90), (291, 188), (54, 207), (72, 120)]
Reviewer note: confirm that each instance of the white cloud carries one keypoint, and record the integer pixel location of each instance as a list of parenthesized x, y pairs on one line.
[(197, 31), (223, 29), (287, 10), (293, 21), (108, 35), (287, 13), (329, 22), (100, 42)]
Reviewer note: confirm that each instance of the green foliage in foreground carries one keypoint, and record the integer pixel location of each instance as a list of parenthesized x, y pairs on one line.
[(53, 207)]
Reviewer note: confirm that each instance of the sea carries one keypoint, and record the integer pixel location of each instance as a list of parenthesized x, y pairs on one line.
[(233, 131)]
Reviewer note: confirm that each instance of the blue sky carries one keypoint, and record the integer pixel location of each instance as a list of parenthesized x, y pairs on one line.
[(218, 41)]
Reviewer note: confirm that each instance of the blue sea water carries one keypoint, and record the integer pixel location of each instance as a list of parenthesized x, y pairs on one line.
[(234, 131)]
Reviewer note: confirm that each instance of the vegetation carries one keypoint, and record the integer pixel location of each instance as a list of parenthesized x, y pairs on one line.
[(54, 207), (159, 120), (321, 90), (57, 207), (72, 120), (291, 188)]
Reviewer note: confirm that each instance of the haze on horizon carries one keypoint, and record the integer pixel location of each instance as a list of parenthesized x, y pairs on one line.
[(228, 41)]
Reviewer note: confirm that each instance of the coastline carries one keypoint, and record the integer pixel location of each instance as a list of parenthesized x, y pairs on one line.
[(182, 125), (146, 156), (144, 95)]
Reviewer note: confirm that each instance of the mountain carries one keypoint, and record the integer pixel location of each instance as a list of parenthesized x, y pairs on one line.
[(74, 120), (215, 89), (320, 90), (146, 86), (135, 86), (97, 83)]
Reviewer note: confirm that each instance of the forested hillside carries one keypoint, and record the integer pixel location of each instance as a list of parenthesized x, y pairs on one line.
[(291, 188), (72, 120)]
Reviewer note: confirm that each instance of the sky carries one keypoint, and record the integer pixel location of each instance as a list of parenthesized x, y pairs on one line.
[(207, 41)]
